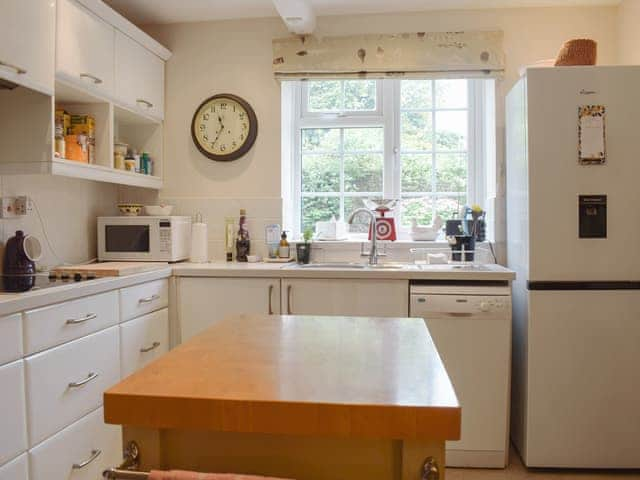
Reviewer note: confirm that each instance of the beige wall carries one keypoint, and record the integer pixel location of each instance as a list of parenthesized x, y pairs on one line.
[(235, 57), (628, 32), (68, 207)]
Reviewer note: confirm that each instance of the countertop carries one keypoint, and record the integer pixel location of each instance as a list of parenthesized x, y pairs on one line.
[(16, 302), (484, 272), (299, 375)]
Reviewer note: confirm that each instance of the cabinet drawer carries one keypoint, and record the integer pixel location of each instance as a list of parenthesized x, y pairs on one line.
[(10, 338), (13, 425), (143, 340), (84, 48), (15, 469), (57, 324), (139, 77), (67, 382), (145, 298), (88, 439)]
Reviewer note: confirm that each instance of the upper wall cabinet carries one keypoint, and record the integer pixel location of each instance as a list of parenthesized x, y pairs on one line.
[(84, 48), (139, 77), (27, 38)]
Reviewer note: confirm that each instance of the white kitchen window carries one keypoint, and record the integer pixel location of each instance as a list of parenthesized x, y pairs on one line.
[(421, 141)]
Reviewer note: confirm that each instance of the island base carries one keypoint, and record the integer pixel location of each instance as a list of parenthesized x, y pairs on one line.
[(294, 457)]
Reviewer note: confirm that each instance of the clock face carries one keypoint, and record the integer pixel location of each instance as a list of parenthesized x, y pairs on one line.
[(224, 127)]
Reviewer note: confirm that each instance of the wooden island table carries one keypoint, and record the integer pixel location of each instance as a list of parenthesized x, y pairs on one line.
[(301, 397)]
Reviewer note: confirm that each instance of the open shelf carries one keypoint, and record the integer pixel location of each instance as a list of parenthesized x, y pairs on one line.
[(30, 150)]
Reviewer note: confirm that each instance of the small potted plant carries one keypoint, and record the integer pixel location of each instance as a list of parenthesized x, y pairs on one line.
[(303, 250)]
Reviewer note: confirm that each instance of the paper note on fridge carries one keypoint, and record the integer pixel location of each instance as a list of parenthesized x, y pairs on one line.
[(592, 133)]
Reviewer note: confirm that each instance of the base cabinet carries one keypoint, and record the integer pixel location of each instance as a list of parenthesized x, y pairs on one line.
[(374, 298), (203, 301)]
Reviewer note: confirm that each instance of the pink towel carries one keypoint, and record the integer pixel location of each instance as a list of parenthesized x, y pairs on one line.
[(183, 475)]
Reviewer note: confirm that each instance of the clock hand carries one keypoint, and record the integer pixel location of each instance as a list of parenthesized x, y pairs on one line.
[(219, 131)]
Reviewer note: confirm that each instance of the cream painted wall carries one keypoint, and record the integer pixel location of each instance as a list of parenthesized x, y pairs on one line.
[(628, 32), (235, 57), (69, 208)]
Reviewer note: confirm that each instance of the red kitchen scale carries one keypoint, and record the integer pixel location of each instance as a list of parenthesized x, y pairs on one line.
[(385, 226)]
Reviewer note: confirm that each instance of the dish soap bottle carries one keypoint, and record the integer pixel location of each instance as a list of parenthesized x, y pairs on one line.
[(284, 251), (243, 244)]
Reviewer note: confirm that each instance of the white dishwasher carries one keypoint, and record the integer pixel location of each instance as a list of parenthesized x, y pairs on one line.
[(470, 324)]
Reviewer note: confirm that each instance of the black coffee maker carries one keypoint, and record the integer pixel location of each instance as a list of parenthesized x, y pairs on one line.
[(19, 266)]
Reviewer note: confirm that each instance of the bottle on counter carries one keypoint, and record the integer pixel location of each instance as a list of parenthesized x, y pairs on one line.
[(229, 234), (284, 250), (243, 244)]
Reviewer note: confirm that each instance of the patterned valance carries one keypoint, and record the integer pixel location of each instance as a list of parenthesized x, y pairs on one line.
[(421, 54)]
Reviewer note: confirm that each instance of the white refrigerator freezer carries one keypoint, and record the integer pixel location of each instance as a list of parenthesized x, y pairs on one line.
[(573, 237)]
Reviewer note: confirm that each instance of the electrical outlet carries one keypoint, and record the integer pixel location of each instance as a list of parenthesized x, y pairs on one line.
[(23, 205), (8, 207)]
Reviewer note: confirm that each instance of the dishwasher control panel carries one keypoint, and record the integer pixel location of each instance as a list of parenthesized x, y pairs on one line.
[(458, 300)]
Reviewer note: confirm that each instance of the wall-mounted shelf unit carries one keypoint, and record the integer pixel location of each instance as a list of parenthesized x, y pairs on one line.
[(122, 88)]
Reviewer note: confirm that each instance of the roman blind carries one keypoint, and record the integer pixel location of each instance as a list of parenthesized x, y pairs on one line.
[(420, 55)]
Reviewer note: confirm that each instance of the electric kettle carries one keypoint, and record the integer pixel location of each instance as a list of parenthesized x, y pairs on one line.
[(19, 266)]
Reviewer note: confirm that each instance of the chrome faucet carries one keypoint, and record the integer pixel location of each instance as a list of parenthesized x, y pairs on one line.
[(373, 253)]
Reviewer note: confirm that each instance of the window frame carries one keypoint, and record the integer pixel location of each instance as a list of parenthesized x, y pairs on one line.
[(387, 115)]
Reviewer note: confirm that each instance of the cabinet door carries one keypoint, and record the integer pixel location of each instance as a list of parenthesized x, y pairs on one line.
[(13, 424), (16, 469), (203, 301), (68, 381), (84, 48), (139, 77), (143, 340), (27, 35), (82, 451), (373, 298)]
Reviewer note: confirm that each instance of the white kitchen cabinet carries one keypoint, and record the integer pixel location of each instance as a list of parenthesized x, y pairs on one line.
[(139, 77), (56, 324), (82, 451), (355, 297), (27, 35), (10, 338), (144, 298), (204, 301), (16, 469), (68, 381), (13, 425), (85, 47), (143, 340)]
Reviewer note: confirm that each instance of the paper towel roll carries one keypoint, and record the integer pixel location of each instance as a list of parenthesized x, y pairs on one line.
[(199, 243)]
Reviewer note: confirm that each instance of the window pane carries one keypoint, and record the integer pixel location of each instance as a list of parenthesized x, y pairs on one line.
[(320, 173), (416, 94), (451, 130), (363, 139), (416, 131), (416, 173), (361, 222), (449, 207), (325, 96), (321, 140), (419, 208), (451, 172), (451, 94), (315, 209), (363, 172), (359, 95)]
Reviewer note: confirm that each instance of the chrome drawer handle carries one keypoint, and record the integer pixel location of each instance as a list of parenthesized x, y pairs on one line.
[(95, 79), (86, 318), (144, 102), (150, 299), (91, 376), (153, 346), (18, 70), (94, 454)]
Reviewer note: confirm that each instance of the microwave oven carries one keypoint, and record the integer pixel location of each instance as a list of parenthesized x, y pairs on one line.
[(144, 239)]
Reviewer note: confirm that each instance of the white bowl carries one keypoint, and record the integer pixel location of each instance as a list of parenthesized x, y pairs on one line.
[(157, 210)]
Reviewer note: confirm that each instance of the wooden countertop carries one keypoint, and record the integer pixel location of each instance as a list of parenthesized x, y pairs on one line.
[(299, 375)]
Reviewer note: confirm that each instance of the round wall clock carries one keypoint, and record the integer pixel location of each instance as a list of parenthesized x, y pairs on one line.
[(224, 127)]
